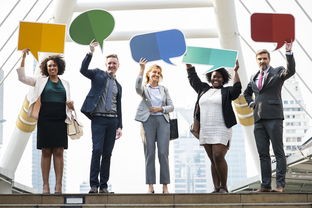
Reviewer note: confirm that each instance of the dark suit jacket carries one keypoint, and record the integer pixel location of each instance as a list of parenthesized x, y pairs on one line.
[(268, 100), (98, 79), (228, 94)]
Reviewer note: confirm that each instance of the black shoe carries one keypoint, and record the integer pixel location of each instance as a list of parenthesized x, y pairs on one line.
[(103, 191), (93, 190)]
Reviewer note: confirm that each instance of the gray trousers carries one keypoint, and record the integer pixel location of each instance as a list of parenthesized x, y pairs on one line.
[(156, 130), (266, 131)]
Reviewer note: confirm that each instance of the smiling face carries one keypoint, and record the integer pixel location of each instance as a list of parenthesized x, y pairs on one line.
[(154, 75), (217, 79), (52, 68), (112, 65)]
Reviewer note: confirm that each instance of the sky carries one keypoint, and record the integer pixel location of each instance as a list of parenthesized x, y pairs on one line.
[(127, 166)]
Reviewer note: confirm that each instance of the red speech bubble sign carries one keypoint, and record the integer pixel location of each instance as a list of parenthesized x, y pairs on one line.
[(266, 27)]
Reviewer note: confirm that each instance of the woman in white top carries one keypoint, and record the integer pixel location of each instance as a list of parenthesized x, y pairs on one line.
[(52, 95), (216, 116)]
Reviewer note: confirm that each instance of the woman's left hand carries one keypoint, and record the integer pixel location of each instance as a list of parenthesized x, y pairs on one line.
[(70, 105)]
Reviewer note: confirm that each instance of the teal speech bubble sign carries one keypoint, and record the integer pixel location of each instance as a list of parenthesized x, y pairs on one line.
[(92, 25), (218, 58)]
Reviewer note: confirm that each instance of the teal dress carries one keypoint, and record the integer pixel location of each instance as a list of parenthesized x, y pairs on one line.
[(51, 127)]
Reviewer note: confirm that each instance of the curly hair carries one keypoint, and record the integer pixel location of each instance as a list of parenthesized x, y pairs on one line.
[(150, 69), (225, 74), (59, 62)]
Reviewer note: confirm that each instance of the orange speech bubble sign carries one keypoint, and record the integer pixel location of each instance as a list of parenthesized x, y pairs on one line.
[(41, 37)]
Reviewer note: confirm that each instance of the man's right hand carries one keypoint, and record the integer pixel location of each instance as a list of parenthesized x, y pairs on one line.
[(93, 45)]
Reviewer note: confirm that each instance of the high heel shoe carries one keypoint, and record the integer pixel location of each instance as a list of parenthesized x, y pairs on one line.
[(223, 190), (45, 189)]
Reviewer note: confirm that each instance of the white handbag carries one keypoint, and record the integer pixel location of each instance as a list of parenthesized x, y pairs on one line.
[(75, 128)]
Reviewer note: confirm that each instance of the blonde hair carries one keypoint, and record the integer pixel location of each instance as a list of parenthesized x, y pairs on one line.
[(150, 69)]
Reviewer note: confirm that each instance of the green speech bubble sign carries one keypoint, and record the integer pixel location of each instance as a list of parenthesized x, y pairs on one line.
[(210, 56), (92, 25)]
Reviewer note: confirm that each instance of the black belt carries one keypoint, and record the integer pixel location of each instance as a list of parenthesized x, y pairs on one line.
[(110, 115)]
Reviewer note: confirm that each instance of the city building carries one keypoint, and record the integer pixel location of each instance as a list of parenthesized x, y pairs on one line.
[(296, 122)]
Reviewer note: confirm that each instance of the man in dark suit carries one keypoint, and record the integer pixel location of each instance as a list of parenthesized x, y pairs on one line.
[(103, 106), (266, 85)]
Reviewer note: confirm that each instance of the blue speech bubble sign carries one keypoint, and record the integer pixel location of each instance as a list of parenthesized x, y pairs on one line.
[(218, 58), (161, 45)]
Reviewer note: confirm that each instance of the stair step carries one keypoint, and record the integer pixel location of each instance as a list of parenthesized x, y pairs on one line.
[(237, 200)]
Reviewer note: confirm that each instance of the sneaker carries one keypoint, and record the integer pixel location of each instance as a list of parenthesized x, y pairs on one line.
[(93, 190), (103, 191)]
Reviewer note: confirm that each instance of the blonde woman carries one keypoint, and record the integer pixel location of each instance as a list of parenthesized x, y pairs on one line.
[(153, 112)]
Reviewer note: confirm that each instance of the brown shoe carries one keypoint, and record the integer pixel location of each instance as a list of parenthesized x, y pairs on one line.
[(263, 190), (279, 189), (93, 190)]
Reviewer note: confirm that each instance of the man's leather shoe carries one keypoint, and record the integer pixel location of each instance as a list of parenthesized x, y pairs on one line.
[(279, 189), (93, 190), (103, 191), (263, 190)]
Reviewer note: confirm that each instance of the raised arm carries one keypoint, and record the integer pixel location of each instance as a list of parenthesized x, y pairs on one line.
[(139, 80), (21, 70), (86, 62), (194, 80), (235, 75), (291, 65)]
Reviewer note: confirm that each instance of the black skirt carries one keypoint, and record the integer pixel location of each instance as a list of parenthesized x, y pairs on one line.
[(51, 126)]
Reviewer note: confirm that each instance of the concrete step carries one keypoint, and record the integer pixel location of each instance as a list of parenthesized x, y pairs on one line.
[(237, 200)]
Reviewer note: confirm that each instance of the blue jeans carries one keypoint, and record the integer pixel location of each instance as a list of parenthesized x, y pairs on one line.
[(103, 140)]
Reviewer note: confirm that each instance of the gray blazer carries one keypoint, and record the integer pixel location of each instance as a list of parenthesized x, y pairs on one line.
[(268, 100), (143, 112)]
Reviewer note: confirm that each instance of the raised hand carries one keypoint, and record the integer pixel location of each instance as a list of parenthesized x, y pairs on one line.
[(188, 66), (288, 46), (236, 66), (142, 63), (92, 45), (25, 52)]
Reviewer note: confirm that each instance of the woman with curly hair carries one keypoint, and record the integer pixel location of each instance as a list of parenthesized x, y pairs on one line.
[(49, 102), (214, 111)]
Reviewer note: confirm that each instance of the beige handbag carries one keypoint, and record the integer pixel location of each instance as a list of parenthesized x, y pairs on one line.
[(75, 128)]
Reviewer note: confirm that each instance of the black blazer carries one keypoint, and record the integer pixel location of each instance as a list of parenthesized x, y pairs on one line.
[(98, 79), (268, 100), (228, 94)]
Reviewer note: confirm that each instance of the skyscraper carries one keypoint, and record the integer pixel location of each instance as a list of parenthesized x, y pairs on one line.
[(296, 122)]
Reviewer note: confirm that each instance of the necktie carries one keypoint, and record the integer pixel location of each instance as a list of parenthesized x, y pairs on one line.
[(109, 95), (260, 80)]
